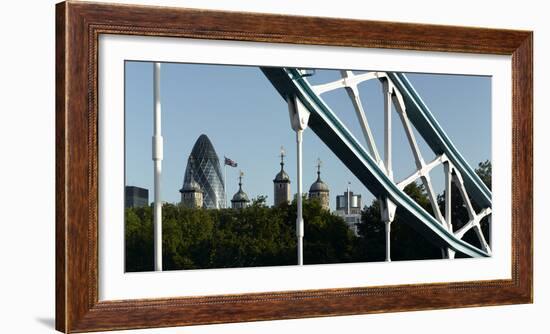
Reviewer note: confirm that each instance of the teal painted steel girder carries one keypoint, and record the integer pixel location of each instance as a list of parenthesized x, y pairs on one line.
[(434, 135), (333, 132)]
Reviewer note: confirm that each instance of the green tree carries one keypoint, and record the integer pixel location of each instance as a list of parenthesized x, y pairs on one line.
[(266, 236), (459, 213), (254, 236), (327, 238), (484, 171), (139, 239), (406, 242)]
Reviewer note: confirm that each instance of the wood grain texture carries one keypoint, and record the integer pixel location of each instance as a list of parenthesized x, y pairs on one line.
[(78, 27), (60, 177)]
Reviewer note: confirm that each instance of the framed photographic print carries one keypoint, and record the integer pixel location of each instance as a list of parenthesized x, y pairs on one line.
[(221, 167)]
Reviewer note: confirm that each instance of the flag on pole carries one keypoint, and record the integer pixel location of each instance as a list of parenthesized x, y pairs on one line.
[(229, 162)]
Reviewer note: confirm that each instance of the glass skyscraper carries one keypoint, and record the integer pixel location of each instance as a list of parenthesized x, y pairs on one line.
[(203, 167)]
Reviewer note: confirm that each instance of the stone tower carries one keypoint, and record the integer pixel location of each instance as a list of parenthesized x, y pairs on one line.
[(240, 199), (281, 184), (319, 189), (191, 194)]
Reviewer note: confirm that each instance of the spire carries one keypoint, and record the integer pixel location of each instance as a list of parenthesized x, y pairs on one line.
[(241, 174), (282, 176), (319, 164), (319, 189), (240, 199), (319, 185), (282, 157)]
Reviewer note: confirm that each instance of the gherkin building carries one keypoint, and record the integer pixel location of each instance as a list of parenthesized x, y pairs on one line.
[(203, 167)]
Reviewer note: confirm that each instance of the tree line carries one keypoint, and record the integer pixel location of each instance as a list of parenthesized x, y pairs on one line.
[(260, 235)]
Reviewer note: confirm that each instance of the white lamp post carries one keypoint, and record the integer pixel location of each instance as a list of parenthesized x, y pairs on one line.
[(299, 117), (157, 162)]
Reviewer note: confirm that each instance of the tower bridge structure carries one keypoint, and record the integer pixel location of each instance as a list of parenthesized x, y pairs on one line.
[(307, 108)]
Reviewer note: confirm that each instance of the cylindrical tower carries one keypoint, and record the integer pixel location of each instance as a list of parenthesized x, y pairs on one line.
[(281, 184), (319, 190)]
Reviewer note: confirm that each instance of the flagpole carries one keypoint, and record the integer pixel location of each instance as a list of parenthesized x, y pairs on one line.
[(157, 162)]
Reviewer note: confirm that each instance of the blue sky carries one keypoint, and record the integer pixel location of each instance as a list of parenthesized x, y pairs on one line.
[(247, 121)]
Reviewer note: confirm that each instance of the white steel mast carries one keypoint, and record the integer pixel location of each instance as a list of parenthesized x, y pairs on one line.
[(157, 162)]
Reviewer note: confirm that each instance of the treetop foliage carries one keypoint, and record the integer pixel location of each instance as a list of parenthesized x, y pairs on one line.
[(265, 236)]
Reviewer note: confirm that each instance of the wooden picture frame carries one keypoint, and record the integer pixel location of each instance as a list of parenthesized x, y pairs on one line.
[(78, 26)]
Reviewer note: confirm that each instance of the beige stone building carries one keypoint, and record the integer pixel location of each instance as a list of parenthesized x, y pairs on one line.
[(319, 190), (281, 185)]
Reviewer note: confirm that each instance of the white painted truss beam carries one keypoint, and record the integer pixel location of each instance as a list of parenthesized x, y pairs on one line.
[(423, 171), (420, 164), (472, 222), (400, 106), (457, 178), (426, 180), (352, 80), (391, 94), (353, 94), (481, 237)]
